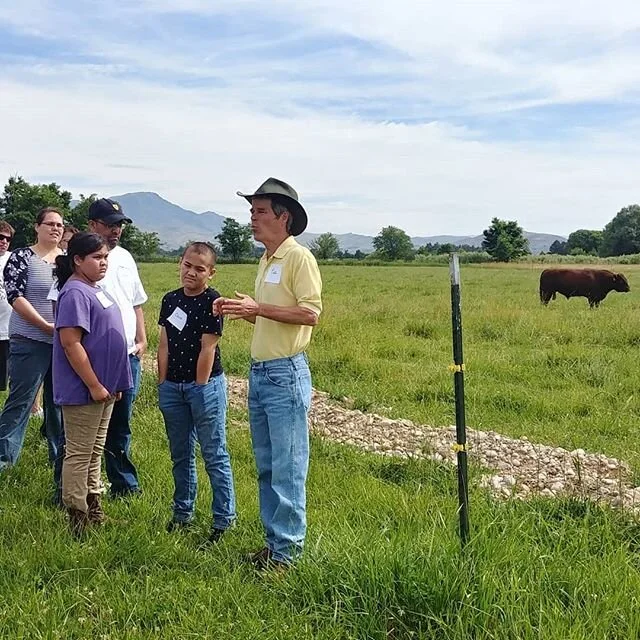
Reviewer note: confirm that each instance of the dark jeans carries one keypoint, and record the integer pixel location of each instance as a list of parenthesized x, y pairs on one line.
[(121, 471), (30, 367), (4, 364)]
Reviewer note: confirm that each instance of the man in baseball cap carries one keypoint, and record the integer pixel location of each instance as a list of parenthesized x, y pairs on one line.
[(108, 213), (122, 282)]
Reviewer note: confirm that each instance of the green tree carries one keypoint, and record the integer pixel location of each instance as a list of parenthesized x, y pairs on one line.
[(325, 246), (394, 244), (78, 216), (235, 239), (621, 236), (559, 248), (141, 244), (585, 239), (504, 240), (447, 247), (21, 201)]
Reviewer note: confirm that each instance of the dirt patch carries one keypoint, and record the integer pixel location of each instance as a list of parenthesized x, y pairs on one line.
[(517, 468)]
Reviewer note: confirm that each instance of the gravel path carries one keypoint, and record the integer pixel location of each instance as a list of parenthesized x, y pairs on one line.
[(514, 468)]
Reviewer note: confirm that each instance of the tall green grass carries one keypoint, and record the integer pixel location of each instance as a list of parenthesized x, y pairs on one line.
[(383, 558), (563, 374)]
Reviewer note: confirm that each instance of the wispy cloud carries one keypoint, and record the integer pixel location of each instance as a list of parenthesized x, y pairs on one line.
[(434, 118)]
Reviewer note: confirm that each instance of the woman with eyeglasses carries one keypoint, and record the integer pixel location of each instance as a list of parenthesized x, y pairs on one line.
[(28, 276)]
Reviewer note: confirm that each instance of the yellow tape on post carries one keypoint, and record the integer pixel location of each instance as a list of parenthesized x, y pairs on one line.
[(456, 368)]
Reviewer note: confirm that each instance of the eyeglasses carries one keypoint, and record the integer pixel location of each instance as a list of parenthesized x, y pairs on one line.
[(115, 225), (57, 225), (5, 238)]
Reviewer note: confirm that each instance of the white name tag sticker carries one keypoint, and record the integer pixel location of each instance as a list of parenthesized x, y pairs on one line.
[(53, 292), (274, 274), (178, 318), (103, 300)]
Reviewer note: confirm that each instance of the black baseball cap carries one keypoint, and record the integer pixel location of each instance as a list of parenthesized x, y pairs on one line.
[(107, 211)]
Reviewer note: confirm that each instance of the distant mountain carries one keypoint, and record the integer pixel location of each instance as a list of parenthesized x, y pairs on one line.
[(172, 223), (176, 225)]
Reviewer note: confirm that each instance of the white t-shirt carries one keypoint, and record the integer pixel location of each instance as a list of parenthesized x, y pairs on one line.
[(5, 307), (122, 282)]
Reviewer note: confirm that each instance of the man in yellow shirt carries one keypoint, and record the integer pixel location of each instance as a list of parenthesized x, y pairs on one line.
[(284, 309)]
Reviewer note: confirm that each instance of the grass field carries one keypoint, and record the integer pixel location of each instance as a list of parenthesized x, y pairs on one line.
[(563, 375), (383, 558)]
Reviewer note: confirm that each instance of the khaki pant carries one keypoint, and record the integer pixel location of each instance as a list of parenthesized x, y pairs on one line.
[(85, 429)]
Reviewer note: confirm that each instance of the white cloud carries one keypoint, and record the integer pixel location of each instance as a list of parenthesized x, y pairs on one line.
[(427, 179)]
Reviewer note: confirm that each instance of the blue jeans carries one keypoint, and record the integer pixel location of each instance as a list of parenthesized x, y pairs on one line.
[(279, 401), (121, 471), (30, 367), (198, 412)]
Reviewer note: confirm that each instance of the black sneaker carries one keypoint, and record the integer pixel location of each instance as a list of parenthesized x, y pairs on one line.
[(179, 525), (216, 534)]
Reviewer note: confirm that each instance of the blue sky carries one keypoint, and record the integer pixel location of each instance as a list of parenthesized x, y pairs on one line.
[(433, 118)]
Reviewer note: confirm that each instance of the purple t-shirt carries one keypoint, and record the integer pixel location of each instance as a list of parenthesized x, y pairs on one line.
[(97, 314)]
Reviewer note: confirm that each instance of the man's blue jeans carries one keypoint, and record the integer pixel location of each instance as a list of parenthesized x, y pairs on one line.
[(30, 367), (198, 412), (279, 401), (121, 471)]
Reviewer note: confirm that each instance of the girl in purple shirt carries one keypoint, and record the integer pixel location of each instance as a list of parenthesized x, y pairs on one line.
[(90, 371)]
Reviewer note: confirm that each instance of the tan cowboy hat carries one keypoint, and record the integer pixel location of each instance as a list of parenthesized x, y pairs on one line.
[(286, 193)]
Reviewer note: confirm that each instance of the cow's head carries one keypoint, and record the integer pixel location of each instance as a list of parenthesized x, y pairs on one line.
[(620, 283)]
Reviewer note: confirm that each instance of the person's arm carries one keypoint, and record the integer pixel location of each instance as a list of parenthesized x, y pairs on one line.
[(247, 308), (70, 338), (306, 285), (163, 356), (15, 284), (141, 332), (207, 355), (216, 309), (23, 307)]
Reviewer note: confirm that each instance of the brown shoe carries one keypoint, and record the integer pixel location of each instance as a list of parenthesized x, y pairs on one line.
[(78, 521), (263, 560), (95, 514)]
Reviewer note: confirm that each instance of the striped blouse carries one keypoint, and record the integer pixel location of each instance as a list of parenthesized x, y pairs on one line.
[(28, 275)]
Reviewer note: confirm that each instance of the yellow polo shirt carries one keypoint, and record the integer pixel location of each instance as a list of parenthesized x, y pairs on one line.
[(289, 278)]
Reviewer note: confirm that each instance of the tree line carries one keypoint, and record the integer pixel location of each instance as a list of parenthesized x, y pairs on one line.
[(621, 236), (503, 240)]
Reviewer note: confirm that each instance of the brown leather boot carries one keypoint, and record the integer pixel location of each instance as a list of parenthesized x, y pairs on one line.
[(95, 514), (78, 521)]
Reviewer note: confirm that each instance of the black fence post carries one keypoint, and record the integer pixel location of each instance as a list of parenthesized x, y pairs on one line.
[(458, 381)]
